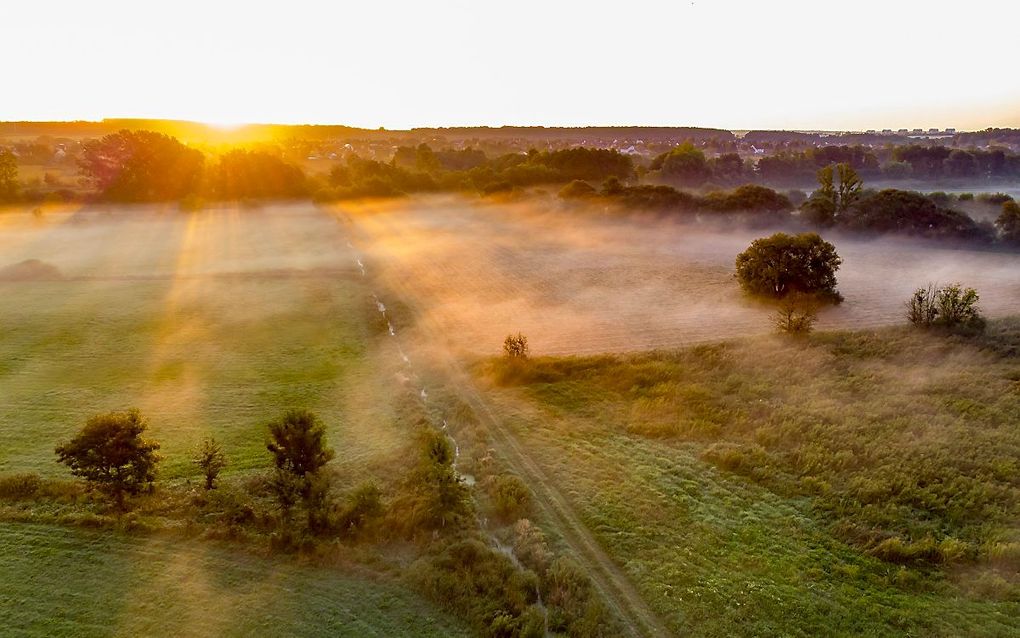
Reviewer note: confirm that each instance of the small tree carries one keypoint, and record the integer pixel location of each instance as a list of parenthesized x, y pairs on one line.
[(796, 314), (211, 459), (298, 445), (515, 347), (109, 452), (922, 309)]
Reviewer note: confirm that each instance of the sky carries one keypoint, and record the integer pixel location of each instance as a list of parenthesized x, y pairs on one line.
[(735, 64)]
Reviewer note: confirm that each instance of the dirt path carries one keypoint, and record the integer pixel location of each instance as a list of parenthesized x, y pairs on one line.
[(611, 582)]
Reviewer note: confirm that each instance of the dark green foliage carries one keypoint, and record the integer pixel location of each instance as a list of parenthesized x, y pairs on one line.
[(211, 460), (685, 164), (910, 213), (111, 454), (434, 496), (1008, 222), (141, 166), (749, 197), (298, 443), (484, 587), (242, 173), (783, 264)]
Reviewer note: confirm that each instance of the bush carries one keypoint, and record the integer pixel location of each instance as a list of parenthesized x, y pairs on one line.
[(364, 505), (574, 607), (796, 314), (19, 486), (578, 189), (952, 307), (298, 445), (512, 497)]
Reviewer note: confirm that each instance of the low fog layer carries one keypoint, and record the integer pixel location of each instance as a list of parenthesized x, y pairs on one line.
[(586, 283)]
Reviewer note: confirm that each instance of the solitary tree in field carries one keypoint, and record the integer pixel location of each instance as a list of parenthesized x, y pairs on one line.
[(110, 453), (782, 264), (211, 460)]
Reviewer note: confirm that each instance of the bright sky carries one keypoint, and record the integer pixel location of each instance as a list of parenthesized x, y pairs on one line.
[(734, 64)]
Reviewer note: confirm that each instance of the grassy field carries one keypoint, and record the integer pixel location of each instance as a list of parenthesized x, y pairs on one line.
[(63, 582), (210, 323), (747, 487)]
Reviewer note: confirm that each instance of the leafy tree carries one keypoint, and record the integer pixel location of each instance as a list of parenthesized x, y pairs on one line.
[(912, 213), (782, 264), (8, 176), (211, 460), (109, 452), (141, 166), (579, 189), (850, 185), (439, 497), (1008, 221), (686, 164), (298, 445), (821, 208)]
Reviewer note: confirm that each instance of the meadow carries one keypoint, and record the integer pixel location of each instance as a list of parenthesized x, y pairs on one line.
[(69, 582), (849, 484), (710, 478)]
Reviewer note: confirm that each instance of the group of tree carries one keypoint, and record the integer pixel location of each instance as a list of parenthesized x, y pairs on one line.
[(143, 166), (914, 162), (687, 165), (950, 307), (9, 185), (420, 169), (749, 198), (841, 201)]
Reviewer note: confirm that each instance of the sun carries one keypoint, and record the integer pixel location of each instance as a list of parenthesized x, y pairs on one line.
[(224, 125)]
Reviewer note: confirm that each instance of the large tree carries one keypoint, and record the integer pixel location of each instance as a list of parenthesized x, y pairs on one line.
[(783, 264), (141, 166), (1009, 222), (109, 452)]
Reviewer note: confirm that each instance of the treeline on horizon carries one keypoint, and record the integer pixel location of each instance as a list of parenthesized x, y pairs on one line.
[(146, 166)]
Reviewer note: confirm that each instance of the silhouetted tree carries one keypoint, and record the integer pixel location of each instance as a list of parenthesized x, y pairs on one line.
[(1008, 222), (141, 166), (8, 176)]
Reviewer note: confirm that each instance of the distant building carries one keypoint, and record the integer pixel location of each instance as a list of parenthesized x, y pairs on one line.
[(917, 131), (951, 131), (933, 131), (887, 131), (903, 131)]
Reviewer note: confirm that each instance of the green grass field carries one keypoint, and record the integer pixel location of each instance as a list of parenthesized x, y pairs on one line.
[(211, 325), (65, 582), (737, 483)]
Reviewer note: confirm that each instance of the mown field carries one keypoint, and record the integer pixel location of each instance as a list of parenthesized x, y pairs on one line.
[(747, 486), (590, 282), (67, 582), (211, 324)]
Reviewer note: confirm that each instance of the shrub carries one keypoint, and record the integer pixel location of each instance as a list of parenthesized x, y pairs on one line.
[(578, 189), (19, 486), (796, 314), (211, 460), (952, 307), (515, 347), (109, 452), (574, 607), (364, 505), (512, 497)]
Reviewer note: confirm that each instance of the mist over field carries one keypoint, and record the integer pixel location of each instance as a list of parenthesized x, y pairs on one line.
[(588, 282)]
